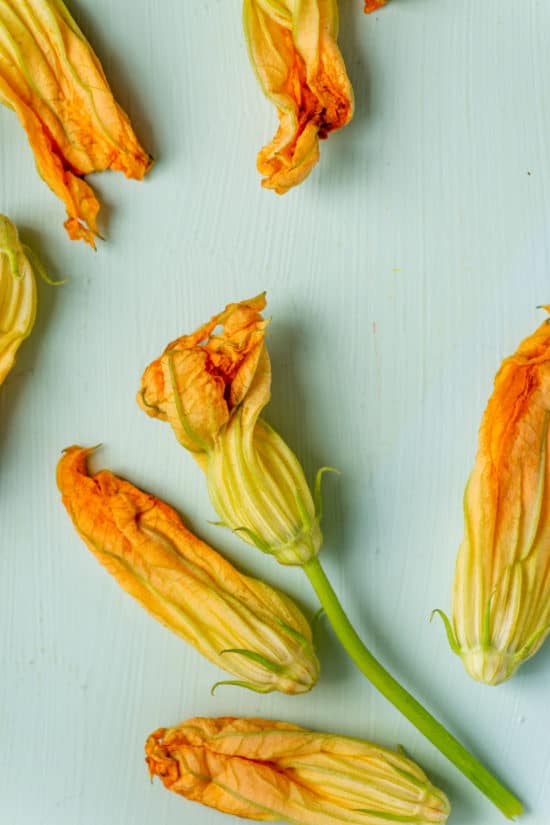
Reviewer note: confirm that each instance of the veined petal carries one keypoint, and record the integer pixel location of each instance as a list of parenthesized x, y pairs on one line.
[(266, 770), (501, 594), (202, 378), (293, 49), (240, 624), (50, 76), (258, 488), (212, 389)]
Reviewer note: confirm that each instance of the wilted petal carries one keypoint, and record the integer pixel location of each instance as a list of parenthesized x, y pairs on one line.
[(239, 623), (267, 770), (501, 594), (50, 76), (292, 47), (201, 379), (212, 389)]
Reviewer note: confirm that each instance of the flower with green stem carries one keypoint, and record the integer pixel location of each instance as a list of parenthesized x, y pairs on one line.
[(212, 386)]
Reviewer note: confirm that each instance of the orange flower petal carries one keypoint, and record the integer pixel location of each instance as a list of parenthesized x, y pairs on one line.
[(293, 50), (201, 378), (50, 76), (266, 770), (501, 595), (185, 584)]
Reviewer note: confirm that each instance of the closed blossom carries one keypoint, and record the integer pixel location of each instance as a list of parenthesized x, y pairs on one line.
[(266, 770), (212, 387), (240, 624), (501, 593)]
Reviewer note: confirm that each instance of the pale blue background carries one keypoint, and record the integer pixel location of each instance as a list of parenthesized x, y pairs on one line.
[(398, 276)]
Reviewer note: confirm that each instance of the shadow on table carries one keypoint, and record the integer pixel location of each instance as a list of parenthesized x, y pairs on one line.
[(293, 413)]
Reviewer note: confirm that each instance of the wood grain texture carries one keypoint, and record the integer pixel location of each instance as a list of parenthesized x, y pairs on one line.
[(398, 276)]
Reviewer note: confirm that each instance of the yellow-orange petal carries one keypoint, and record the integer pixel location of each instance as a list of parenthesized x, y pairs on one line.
[(293, 50), (501, 592), (51, 78), (240, 624), (201, 378), (267, 770)]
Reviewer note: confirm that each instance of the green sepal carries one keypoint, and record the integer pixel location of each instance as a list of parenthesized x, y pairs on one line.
[(486, 628), (303, 640), (306, 518), (38, 266), (387, 816), (255, 657), (237, 683), (451, 638), (524, 652), (255, 539), (317, 495)]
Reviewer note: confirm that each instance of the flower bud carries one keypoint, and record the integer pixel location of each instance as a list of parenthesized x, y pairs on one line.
[(240, 624), (258, 487), (212, 387), (51, 78), (202, 379), (293, 51), (265, 770), (501, 592), (17, 295)]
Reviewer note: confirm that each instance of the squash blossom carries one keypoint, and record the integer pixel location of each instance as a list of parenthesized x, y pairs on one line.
[(265, 770), (51, 78), (211, 387), (18, 265), (501, 591), (293, 50), (239, 623)]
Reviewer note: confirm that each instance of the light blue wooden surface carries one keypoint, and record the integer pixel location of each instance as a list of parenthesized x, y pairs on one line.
[(398, 276)]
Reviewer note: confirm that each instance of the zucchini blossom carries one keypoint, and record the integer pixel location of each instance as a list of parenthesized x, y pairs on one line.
[(501, 591), (212, 387), (240, 624), (265, 770), (51, 78), (293, 50)]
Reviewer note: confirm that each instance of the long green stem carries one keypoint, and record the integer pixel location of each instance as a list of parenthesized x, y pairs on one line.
[(402, 699)]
